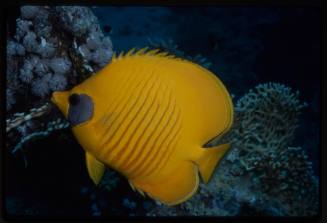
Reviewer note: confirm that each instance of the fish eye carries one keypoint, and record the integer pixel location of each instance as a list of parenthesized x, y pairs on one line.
[(80, 109), (74, 99)]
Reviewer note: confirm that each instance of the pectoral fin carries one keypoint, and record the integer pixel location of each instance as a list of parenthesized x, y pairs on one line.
[(175, 188), (94, 167), (209, 159)]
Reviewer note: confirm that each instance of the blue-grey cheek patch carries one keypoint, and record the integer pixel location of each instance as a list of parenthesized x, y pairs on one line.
[(81, 110)]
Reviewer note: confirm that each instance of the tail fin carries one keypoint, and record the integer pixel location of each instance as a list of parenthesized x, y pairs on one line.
[(208, 161)]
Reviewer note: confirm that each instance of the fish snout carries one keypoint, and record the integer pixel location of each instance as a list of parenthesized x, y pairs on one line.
[(60, 98)]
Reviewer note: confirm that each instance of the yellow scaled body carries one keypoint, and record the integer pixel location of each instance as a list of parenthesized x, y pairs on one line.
[(152, 115)]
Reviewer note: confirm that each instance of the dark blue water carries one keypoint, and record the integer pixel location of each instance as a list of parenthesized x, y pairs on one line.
[(246, 46)]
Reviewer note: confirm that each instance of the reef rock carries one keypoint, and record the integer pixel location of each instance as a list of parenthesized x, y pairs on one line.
[(53, 48)]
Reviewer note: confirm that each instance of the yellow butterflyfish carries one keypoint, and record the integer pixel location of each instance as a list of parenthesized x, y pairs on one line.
[(149, 115)]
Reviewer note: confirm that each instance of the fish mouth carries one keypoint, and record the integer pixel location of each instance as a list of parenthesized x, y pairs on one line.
[(60, 99)]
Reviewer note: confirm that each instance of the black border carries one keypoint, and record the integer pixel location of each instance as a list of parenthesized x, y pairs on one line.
[(321, 217)]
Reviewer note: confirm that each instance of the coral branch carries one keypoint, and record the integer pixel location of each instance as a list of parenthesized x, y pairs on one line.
[(52, 126), (20, 118)]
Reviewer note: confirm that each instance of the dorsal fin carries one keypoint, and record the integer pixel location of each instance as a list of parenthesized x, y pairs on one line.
[(141, 51), (152, 52), (144, 52), (130, 52), (121, 55), (113, 58)]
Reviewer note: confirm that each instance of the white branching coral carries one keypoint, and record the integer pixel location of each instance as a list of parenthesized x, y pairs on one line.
[(262, 156), (266, 118)]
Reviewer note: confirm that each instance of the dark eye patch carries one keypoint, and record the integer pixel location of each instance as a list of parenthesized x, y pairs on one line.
[(80, 108), (74, 99)]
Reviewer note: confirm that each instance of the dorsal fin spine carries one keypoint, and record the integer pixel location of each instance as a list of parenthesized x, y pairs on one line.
[(152, 52), (120, 56), (113, 56), (130, 52), (144, 52), (141, 51)]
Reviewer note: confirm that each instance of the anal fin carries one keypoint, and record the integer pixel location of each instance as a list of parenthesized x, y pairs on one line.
[(136, 188), (131, 184), (175, 188), (94, 167)]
